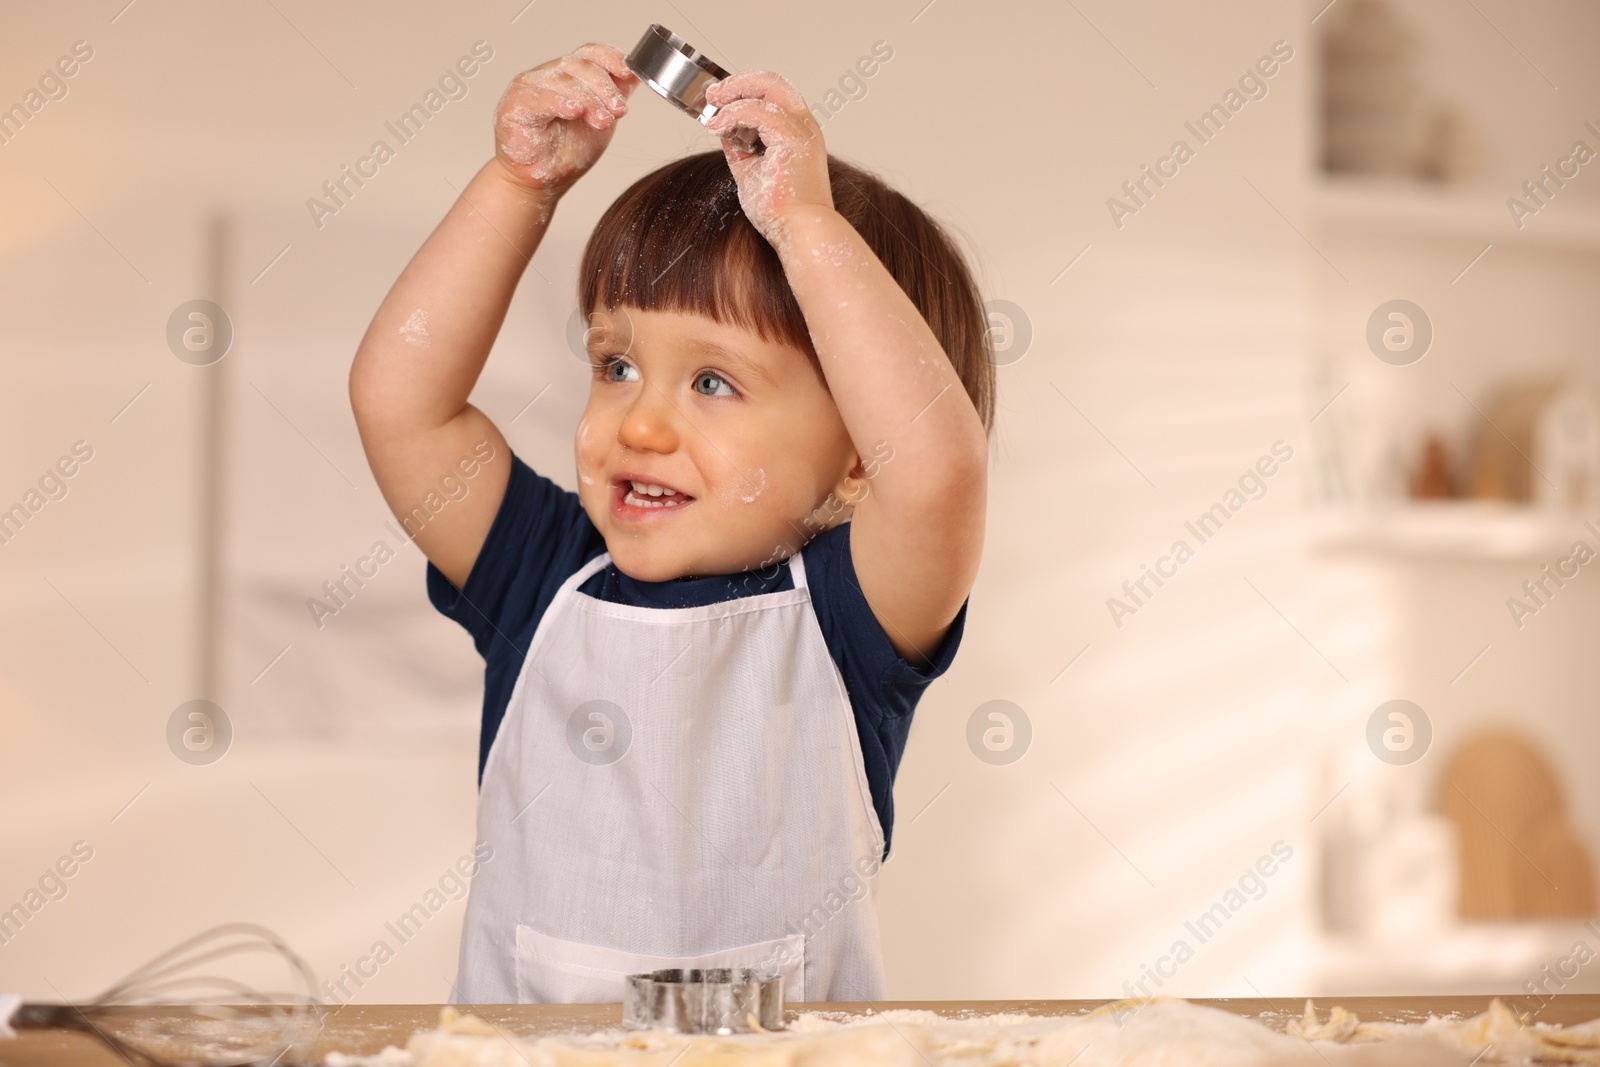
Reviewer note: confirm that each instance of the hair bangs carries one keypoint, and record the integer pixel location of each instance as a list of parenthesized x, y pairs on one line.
[(677, 240)]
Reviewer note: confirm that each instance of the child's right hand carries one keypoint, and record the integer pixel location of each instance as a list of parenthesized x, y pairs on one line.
[(556, 119)]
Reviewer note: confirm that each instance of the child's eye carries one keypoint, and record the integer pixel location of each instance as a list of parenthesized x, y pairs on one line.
[(706, 382), (606, 366)]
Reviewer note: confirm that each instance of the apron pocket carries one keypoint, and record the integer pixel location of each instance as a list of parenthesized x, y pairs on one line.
[(553, 971)]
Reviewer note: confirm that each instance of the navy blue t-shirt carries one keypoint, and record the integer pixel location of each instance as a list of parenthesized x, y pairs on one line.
[(541, 536)]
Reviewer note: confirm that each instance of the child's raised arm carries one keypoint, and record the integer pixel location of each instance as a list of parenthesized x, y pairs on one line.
[(917, 536), (423, 352)]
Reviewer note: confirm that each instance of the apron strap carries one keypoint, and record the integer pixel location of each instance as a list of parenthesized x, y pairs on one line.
[(797, 569), (594, 566)]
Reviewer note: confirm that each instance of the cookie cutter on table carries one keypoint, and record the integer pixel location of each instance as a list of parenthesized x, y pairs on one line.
[(680, 72), (711, 1000)]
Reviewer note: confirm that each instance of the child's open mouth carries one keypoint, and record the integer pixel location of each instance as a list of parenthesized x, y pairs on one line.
[(635, 498)]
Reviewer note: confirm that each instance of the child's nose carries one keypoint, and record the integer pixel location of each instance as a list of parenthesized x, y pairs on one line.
[(649, 424)]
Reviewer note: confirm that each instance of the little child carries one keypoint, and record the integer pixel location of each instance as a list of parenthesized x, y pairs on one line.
[(702, 665)]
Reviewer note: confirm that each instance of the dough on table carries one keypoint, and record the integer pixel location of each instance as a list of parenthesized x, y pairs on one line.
[(1153, 1033), (1499, 1034)]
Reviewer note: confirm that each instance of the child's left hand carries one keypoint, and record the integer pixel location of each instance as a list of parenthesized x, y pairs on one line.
[(793, 171)]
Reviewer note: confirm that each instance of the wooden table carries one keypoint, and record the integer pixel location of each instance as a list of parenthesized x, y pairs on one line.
[(366, 1029)]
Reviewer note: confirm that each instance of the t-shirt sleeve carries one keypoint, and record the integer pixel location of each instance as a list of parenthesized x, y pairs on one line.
[(534, 544), (884, 688)]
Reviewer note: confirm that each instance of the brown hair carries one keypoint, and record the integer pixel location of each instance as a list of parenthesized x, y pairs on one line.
[(636, 258)]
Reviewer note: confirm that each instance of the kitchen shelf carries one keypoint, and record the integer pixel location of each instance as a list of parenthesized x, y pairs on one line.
[(1479, 215), (1452, 530)]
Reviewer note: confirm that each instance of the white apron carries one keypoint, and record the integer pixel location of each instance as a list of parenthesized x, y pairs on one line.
[(674, 787)]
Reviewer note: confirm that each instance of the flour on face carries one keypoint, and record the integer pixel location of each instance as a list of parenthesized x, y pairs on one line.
[(761, 486)]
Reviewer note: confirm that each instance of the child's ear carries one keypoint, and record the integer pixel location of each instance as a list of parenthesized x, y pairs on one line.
[(852, 488)]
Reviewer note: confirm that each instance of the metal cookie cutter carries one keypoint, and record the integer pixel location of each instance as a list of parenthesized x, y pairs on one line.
[(680, 72), (714, 1000)]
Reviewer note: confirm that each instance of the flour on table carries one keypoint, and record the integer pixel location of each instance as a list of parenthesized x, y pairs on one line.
[(1153, 1033)]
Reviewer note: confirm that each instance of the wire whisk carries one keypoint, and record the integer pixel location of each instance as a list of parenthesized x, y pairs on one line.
[(191, 1018)]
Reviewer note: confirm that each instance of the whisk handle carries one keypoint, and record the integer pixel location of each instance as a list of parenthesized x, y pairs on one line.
[(47, 1017)]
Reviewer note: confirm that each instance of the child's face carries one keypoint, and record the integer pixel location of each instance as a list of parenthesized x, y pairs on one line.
[(747, 436)]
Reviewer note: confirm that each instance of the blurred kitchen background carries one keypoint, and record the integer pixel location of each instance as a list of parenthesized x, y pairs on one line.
[(1444, 460)]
